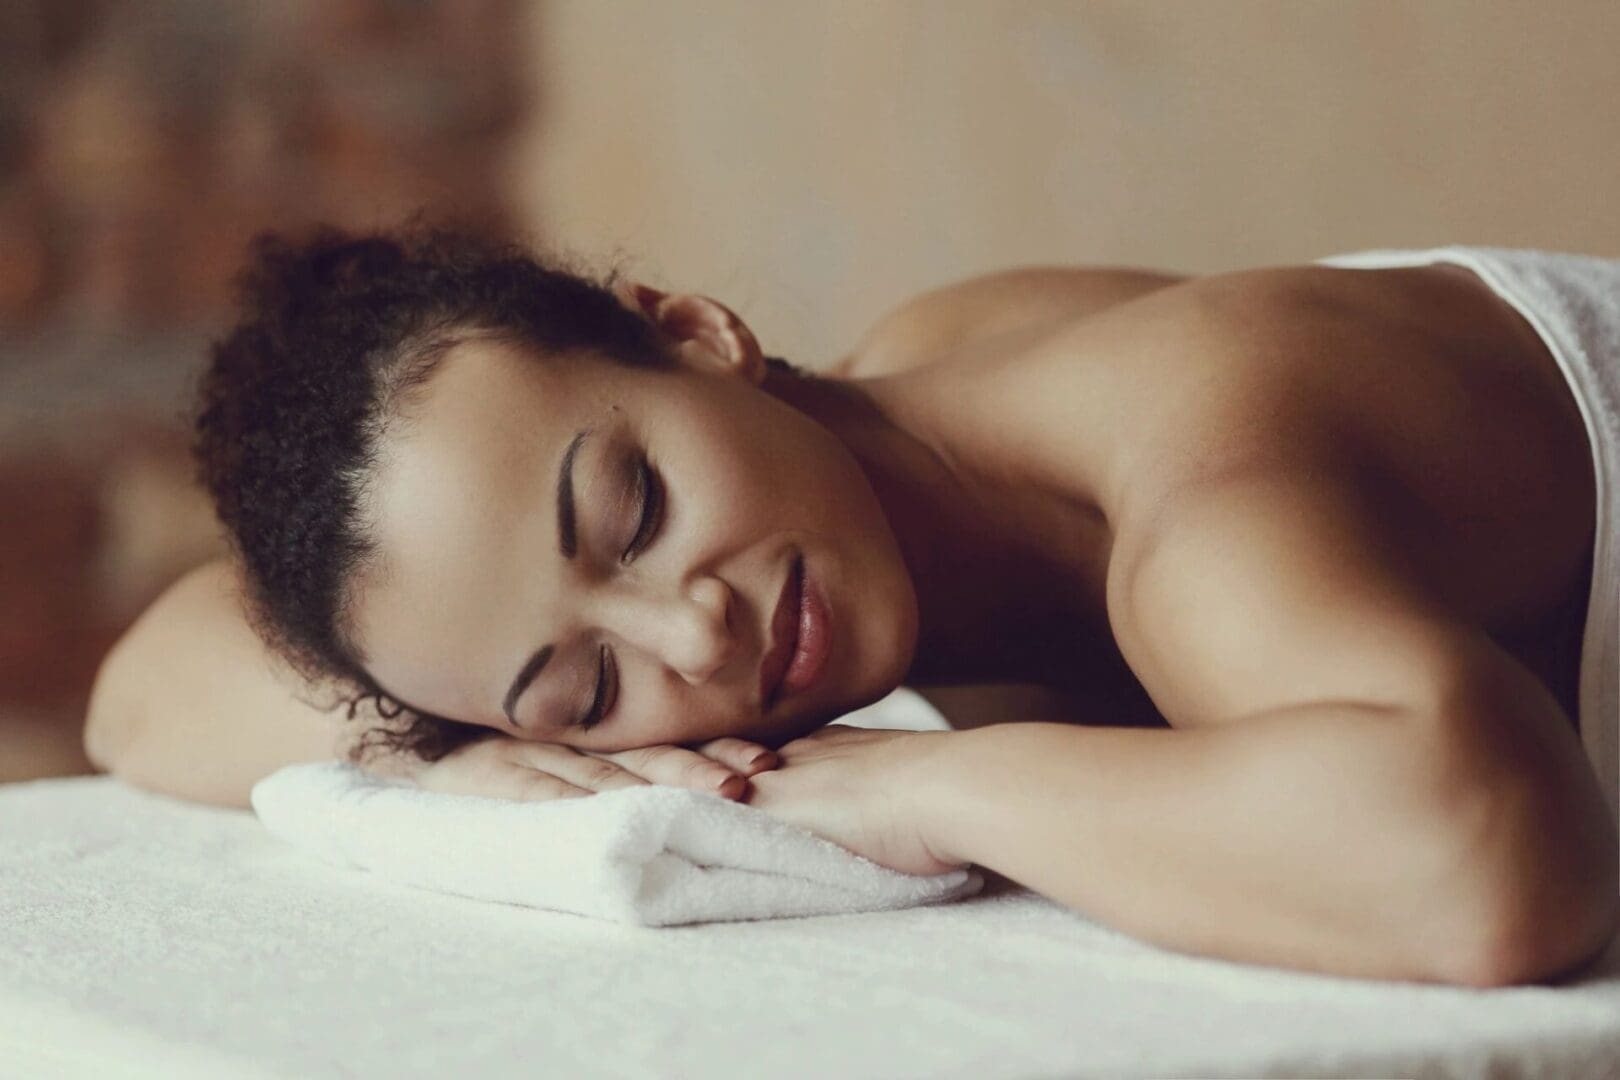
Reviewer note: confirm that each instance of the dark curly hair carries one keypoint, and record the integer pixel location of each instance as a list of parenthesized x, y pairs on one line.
[(337, 333)]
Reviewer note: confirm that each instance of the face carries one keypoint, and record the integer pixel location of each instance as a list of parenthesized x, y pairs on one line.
[(643, 604)]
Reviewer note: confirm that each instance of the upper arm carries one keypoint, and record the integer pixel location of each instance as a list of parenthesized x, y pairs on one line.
[(1282, 587), (192, 703), (1264, 592)]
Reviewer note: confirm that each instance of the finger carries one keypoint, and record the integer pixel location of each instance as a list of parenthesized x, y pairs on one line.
[(581, 770), (680, 767), (502, 779), (740, 755), (530, 785)]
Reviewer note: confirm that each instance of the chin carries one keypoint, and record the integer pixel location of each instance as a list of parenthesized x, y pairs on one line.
[(797, 729), (821, 717)]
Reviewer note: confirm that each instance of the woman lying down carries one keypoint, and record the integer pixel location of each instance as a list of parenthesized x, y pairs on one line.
[(1302, 553)]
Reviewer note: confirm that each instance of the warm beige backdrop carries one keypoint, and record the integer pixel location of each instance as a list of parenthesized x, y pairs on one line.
[(813, 163)]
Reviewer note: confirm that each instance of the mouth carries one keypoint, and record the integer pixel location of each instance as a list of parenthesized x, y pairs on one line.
[(799, 638)]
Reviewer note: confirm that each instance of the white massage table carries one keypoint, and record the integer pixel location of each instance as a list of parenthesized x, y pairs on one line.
[(141, 936)]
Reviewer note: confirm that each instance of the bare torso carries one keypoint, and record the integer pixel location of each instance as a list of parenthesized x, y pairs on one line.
[(1421, 383)]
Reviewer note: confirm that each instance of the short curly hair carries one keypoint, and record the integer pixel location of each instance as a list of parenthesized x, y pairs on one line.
[(337, 333)]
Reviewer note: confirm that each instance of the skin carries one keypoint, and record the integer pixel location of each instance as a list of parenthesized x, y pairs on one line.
[(465, 516), (1301, 515), (909, 491)]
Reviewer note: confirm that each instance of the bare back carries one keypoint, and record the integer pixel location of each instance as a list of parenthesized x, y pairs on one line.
[(1419, 386)]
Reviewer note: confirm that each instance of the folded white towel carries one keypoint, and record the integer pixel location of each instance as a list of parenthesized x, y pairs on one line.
[(652, 855)]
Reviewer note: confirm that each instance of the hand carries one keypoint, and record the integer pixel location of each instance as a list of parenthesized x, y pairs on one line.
[(502, 767), (855, 787)]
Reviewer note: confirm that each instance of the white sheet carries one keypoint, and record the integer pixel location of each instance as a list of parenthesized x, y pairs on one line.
[(141, 936)]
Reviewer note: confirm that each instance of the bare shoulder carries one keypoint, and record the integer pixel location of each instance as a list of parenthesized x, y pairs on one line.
[(937, 322), (1279, 586), (1333, 468)]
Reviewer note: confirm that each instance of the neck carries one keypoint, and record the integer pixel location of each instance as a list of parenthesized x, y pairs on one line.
[(1010, 575)]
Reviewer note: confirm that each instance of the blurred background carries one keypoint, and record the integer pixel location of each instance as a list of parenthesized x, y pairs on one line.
[(812, 165)]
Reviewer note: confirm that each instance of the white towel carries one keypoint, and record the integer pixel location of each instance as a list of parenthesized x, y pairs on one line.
[(652, 855)]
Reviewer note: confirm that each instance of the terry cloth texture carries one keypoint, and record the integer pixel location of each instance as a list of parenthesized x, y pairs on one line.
[(142, 936), (653, 855)]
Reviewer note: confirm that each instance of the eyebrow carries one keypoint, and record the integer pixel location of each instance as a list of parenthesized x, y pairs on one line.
[(565, 495), (525, 676), (567, 543)]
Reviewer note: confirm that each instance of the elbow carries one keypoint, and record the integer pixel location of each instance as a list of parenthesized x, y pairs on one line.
[(1559, 945), (110, 722), (106, 742), (101, 743), (1551, 940), (97, 744), (1543, 958), (1531, 855), (1551, 903)]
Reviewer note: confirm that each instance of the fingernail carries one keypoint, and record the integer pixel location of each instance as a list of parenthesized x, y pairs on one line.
[(759, 761), (731, 787)]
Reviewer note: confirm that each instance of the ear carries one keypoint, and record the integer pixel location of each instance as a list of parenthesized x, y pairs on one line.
[(705, 333), (639, 298)]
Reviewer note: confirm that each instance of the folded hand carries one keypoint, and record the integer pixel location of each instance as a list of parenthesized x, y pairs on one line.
[(502, 767), (856, 787)]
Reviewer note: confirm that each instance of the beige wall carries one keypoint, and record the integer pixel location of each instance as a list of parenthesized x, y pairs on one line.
[(813, 163)]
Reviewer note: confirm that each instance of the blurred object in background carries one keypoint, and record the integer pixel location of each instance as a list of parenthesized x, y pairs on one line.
[(814, 165), (142, 144)]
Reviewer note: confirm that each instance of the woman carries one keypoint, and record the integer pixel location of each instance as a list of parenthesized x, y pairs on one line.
[(1303, 555)]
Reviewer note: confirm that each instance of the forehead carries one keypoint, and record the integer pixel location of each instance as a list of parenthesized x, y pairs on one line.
[(487, 385), (462, 494), (487, 419)]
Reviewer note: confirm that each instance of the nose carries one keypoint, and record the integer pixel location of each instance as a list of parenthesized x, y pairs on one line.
[(688, 630)]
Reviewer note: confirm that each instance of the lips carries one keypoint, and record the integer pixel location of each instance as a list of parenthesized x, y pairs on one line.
[(784, 634), (801, 637)]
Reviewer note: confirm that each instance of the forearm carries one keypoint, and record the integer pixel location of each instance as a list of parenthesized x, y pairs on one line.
[(1304, 839)]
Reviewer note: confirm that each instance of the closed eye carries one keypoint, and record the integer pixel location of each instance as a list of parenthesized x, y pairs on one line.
[(607, 690), (650, 497)]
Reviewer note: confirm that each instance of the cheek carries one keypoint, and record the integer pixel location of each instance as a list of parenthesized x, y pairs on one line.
[(774, 468)]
